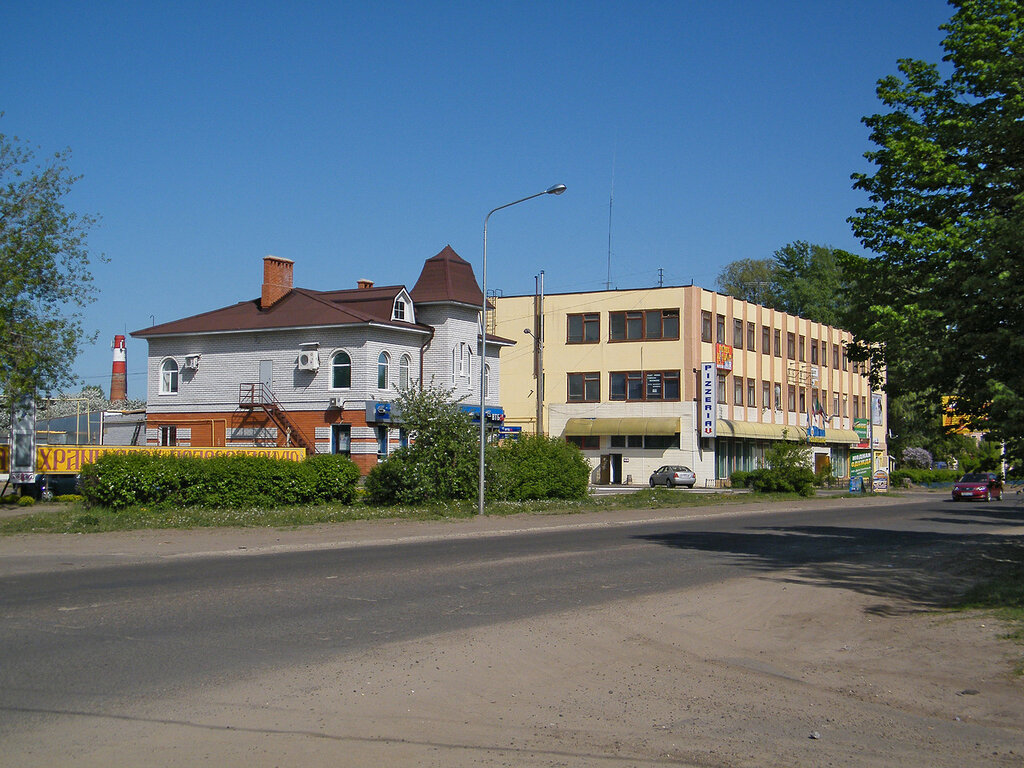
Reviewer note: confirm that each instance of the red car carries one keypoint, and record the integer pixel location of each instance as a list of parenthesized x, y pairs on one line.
[(978, 485)]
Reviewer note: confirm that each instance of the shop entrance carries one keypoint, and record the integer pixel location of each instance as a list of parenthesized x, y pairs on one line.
[(611, 469)]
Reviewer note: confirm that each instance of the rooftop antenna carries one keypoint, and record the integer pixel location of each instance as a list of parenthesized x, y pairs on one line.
[(611, 199)]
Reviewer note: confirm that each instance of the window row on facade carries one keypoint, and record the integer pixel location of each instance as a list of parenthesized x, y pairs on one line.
[(664, 386), (340, 372), (628, 325), (797, 346), (624, 385), (644, 442)]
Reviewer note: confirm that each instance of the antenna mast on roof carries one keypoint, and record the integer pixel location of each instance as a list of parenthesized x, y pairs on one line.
[(611, 199)]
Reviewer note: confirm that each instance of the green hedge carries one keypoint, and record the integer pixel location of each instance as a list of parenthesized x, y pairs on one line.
[(925, 476), (122, 480)]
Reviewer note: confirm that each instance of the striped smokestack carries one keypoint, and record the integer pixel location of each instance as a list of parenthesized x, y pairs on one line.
[(118, 372)]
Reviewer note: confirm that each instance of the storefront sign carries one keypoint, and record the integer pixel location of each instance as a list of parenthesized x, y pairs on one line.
[(880, 480), (69, 459), (723, 357), (860, 464), (708, 415)]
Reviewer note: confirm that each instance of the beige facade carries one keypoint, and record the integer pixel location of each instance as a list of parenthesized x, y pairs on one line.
[(622, 379)]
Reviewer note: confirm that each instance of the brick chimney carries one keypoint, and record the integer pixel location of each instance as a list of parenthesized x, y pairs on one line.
[(364, 284), (277, 280)]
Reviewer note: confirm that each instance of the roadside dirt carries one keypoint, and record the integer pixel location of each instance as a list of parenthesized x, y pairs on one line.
[(778, 669)]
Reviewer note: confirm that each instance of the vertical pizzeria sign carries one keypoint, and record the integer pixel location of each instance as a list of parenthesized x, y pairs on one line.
[(708, 415)]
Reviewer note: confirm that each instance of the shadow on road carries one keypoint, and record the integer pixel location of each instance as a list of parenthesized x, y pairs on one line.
[(928, 569)]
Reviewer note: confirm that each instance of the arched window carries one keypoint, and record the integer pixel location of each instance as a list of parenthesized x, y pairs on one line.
[(341, 371), (403, 372), (383, 364), (169, 377)]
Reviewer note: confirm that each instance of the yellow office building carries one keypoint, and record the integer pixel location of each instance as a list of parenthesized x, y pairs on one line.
[(681, 375)]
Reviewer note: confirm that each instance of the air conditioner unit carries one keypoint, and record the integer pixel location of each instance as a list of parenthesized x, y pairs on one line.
[(309, 360), (335, 402), (192, 361)]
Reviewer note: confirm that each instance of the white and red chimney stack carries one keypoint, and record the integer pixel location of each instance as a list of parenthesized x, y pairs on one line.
[(118, 372)]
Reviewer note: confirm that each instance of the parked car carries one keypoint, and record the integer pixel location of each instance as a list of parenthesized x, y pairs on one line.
[(978, 485), (672, 475)]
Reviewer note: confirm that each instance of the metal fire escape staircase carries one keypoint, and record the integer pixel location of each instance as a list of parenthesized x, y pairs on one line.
[(258, 395)]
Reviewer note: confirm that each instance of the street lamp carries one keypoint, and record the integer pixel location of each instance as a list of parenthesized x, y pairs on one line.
[(557, 189)]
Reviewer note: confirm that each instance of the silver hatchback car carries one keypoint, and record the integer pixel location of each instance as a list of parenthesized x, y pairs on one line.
[(672, 475)]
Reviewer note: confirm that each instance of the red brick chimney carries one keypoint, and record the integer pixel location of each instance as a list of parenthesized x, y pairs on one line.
[(277, 280), (364, 284)]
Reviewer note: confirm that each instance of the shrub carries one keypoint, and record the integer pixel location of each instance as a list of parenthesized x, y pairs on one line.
[(925, 476), (740, 479), (537, 467), (26, 501), (916, 458), (787, 469), (122, 480)]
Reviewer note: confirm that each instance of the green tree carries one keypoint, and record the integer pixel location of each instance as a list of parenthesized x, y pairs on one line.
[(800, 278), (44, 271), (748, 279), (443, 461), (946, 220)]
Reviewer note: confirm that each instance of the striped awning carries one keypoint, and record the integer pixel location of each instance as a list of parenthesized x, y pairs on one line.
[(636, 425)]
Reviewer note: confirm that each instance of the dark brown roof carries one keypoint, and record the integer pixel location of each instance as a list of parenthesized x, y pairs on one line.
[(447, 277), (301, 308)]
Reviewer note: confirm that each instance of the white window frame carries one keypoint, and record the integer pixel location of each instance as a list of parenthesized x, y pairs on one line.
[(334, 364), (169, 386), (383, 368), (404, 368)]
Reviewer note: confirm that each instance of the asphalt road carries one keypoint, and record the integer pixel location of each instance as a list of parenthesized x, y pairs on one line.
[(99, 637)]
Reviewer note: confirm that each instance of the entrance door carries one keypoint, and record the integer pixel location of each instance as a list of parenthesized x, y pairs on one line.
[(616, 474), (267, 376), (606, 470)]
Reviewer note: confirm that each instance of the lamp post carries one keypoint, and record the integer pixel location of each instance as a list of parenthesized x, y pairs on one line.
[(557, 189)]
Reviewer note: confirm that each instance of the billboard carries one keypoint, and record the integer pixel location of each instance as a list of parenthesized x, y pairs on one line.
[(23, 441), (69, 459)]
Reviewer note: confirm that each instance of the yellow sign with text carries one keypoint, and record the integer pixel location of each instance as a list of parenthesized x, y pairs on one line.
[(69, 459)]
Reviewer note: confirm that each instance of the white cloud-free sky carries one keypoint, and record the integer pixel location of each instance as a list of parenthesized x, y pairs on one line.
[(358, 139)]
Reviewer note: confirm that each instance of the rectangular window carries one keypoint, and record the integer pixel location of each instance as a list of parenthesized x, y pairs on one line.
[(856, 408), (778, 343), (721, 389), (737, 333), (341, 439), (705, 326), (720, 329), (790, 346), (814, 351), (583, 328), (168, 436), (626, 441), (766, 340), (584, 387), (835, 356), (835, 403), (751, 336), (649, 324), (803, 350), (751, 392), (791, 398), (824, 353), (778, 397), (846, 360), (585, 443), (661, 442), (737, 391), (845, 410), (803, 400), (382, 442), (643, 385), (766, 395)]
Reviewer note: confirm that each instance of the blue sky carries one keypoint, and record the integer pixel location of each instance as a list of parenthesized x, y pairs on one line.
[(358, 139)]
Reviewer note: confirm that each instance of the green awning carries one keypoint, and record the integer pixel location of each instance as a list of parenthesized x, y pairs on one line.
[(637, 425), (754, 430)]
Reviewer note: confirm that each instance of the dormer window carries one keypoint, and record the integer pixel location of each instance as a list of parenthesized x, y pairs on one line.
[(399, 313)]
